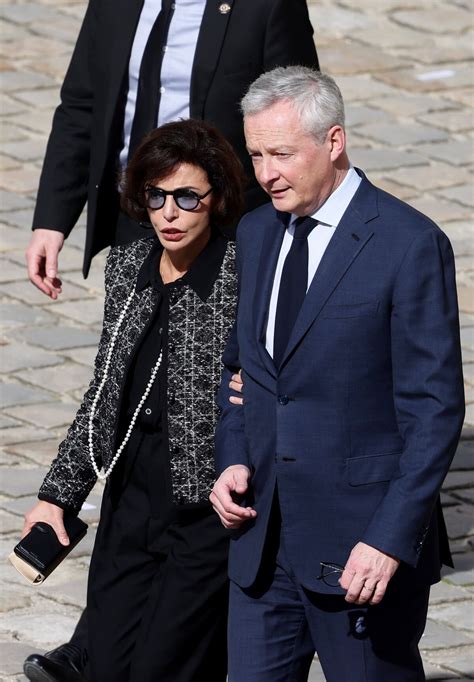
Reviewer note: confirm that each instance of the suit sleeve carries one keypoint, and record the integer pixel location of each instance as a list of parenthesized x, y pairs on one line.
[(428, 394), (289, 36), (62, 192), (230, 441)]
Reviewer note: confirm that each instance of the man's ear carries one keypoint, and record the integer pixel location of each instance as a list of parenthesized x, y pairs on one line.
[(337, 140)]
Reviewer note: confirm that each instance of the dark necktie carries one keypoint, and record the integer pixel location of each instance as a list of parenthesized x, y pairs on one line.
[(148, 94), (293, 285)]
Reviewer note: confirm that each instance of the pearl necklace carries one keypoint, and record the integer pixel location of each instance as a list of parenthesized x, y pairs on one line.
[(154, 372)]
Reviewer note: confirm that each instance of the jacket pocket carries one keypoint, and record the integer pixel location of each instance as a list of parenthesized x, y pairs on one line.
[(372, 468), (351, 310)]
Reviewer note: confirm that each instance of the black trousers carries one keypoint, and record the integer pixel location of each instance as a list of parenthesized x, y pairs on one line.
[(158, 588)]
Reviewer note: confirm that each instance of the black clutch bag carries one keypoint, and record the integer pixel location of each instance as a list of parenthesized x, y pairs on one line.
[(38, 553)]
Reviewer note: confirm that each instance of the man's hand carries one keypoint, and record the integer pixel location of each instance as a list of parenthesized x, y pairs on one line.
[(236, 384), (48, 513), (367, 573), (42, 261), (233, 481)]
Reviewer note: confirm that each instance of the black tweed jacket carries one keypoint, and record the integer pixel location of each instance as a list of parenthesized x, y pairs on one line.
[(195, 363)]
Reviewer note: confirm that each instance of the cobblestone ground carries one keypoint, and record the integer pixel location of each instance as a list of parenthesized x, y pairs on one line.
[(406, 74)]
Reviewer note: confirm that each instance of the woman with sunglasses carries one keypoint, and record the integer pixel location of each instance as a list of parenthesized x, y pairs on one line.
[(157, 593)]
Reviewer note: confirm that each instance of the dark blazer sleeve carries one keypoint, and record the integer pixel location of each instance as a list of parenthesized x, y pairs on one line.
[(428, 394), (62, 191)]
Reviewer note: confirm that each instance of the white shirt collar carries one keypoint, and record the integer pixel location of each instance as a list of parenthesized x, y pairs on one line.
[(331, 212)]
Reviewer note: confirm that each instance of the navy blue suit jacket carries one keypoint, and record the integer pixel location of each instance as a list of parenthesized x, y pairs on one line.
[(360, 423)]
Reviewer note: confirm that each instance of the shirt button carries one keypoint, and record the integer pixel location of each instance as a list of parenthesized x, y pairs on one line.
[(148, 410), (173, 5), (162, 89), (164, 48), (283, 399), (160, 330)]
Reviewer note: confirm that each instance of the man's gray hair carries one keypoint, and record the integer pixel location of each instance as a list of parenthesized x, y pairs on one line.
[(314, 95)]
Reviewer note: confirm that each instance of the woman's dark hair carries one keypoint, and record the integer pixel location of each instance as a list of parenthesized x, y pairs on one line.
[(193, 142)]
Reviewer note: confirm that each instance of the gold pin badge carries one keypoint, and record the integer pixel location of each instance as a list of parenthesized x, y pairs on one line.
[(224, 8)]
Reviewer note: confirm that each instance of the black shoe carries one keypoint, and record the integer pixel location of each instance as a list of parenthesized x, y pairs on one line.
[(64, 664)]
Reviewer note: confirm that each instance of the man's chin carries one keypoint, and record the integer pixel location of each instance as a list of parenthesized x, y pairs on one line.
[(282, 202)]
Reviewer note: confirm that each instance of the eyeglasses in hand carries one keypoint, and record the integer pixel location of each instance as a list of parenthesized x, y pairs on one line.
[(330, 573), (184, 198)]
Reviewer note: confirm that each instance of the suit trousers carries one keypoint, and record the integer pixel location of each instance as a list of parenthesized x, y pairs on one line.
[(276, 626), (158, 587)]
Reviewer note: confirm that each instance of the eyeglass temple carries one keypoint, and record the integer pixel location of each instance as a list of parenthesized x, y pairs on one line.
[(335, 568)]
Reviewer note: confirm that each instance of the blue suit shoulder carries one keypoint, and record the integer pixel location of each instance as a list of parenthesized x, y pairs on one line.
[(265, 212), (258, 218), (408, 221)]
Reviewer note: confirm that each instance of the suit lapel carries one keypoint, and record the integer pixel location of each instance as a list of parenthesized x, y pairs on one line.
[(350, 237), (123, 22), (208, 48), (271, 245)]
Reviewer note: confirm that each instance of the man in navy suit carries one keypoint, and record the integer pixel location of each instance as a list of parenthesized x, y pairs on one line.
[(348, 336)]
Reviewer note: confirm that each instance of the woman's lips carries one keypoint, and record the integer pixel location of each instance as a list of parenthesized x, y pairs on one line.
[(172, 234)]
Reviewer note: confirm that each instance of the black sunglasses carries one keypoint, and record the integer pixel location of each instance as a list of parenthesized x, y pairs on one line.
[(186, 199)]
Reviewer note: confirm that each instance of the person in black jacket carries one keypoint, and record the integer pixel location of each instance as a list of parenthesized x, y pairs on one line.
[(203, 54), (157, 593)]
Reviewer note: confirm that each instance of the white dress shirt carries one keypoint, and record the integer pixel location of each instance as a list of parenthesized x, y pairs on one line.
[(328, 216), (178, 60), (176, 67)]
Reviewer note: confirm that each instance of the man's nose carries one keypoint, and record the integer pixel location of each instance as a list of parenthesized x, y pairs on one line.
[(267, 171), (170, 209)]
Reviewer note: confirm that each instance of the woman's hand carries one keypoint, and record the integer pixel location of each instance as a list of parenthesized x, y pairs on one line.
[(48, 513)]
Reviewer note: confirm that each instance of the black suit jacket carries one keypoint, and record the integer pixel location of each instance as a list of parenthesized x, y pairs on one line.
[(233, 48)]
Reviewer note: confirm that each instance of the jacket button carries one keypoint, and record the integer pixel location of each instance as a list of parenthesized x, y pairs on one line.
[(283, 399)]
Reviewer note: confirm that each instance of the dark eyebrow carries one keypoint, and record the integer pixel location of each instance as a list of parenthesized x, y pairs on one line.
[(191, 187)]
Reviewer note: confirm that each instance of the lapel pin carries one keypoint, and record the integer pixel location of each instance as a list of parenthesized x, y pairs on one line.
[(224, 8)]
